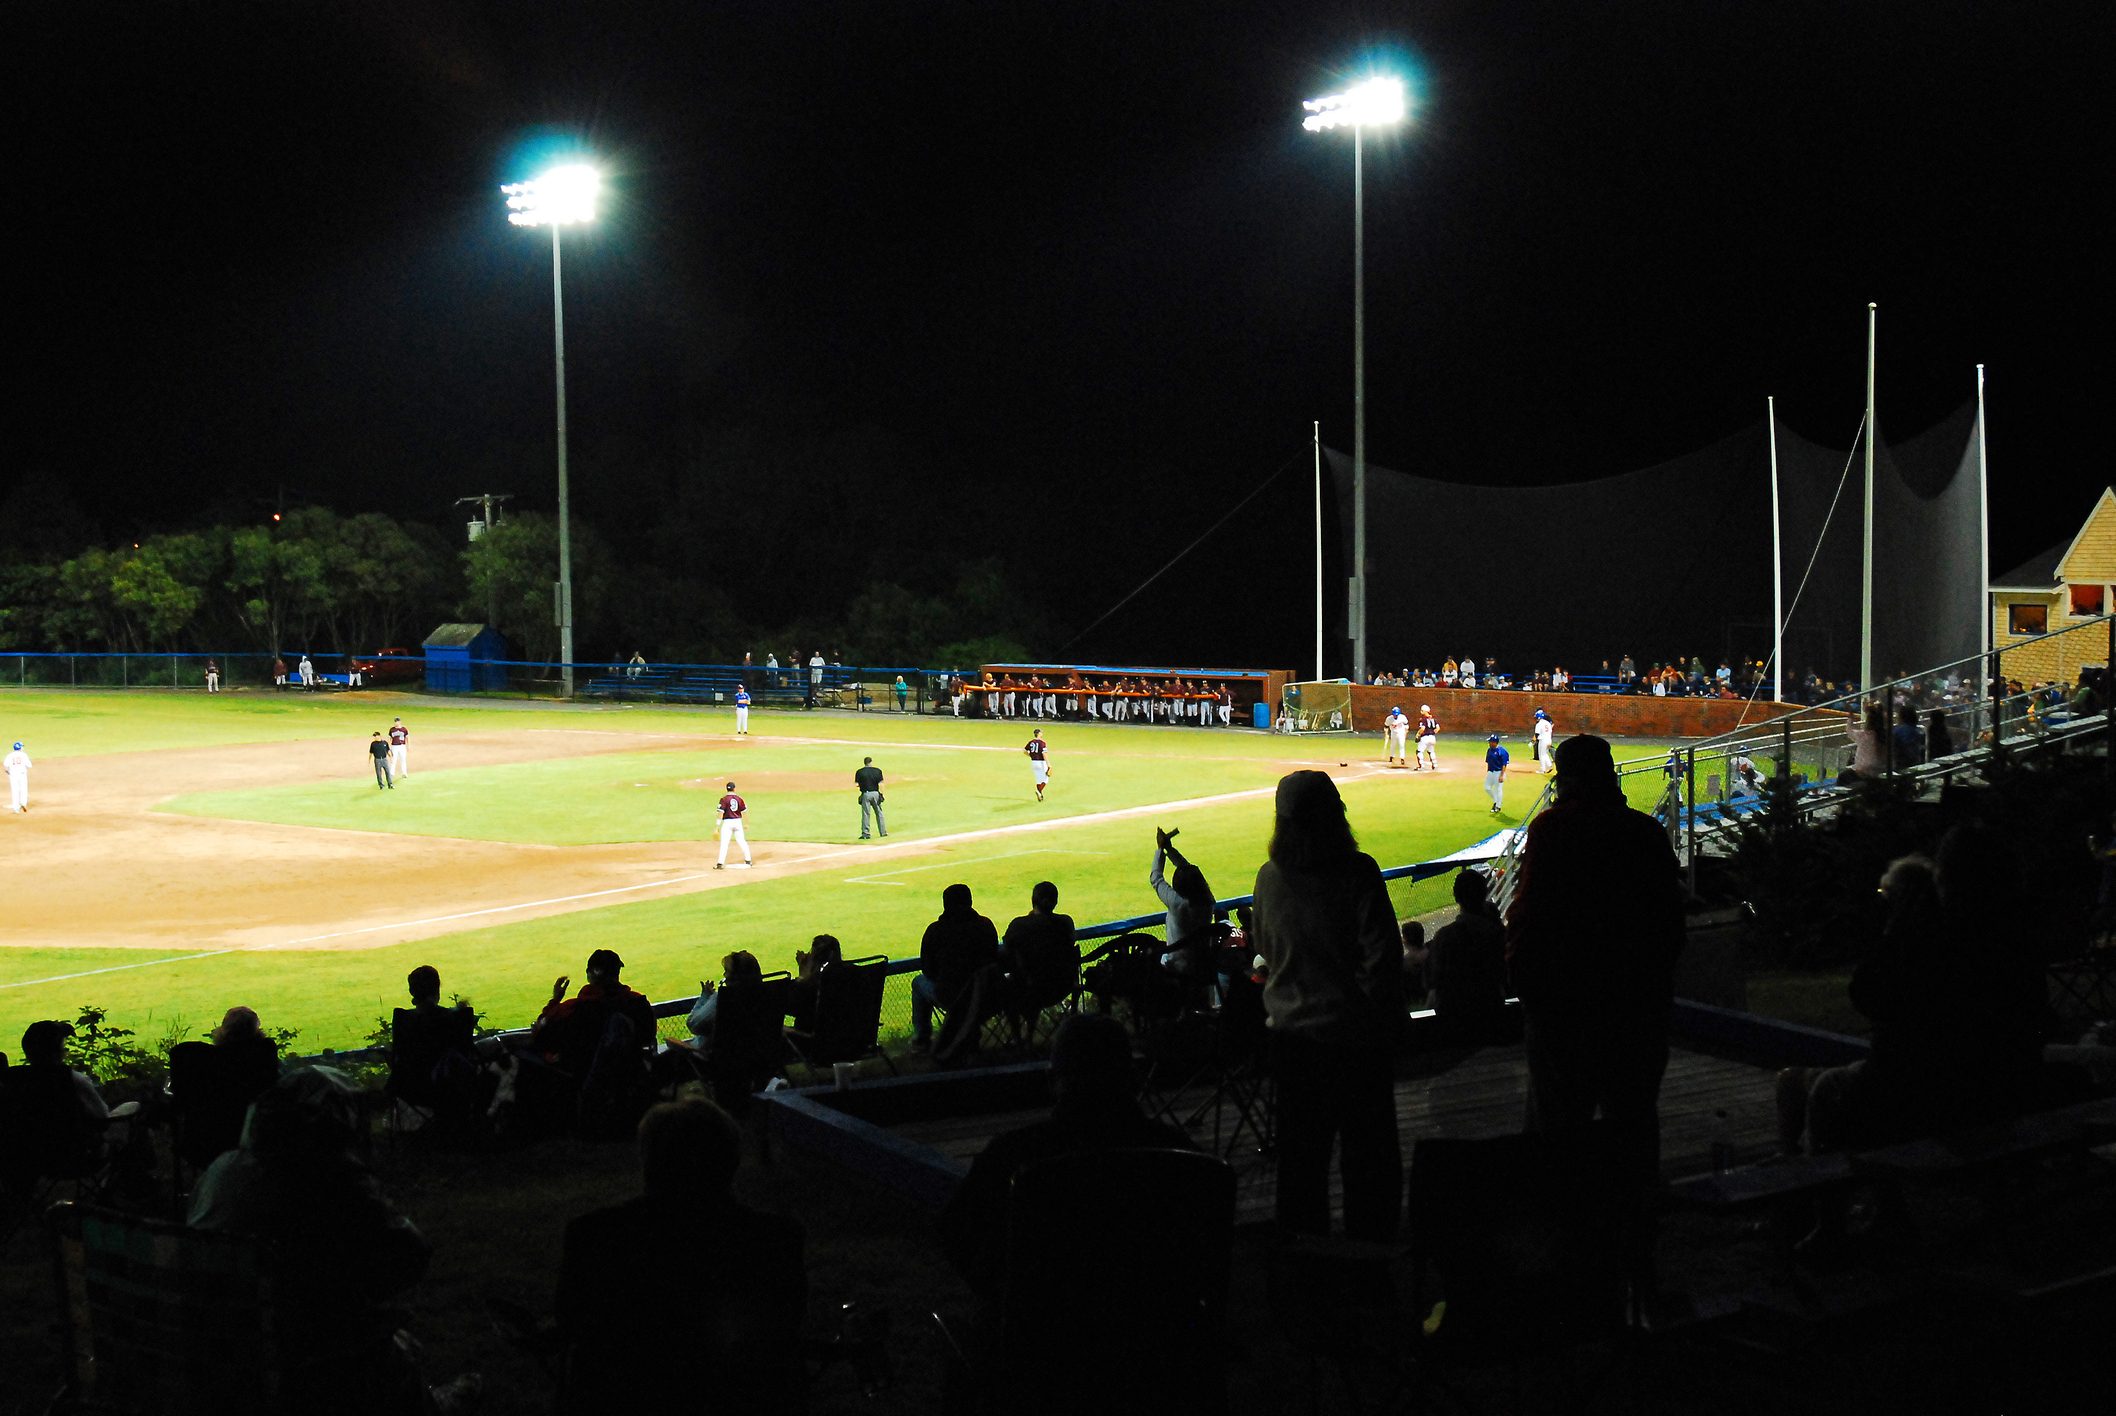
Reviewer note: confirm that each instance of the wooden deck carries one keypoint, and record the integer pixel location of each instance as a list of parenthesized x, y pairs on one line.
[(1704, 1100)]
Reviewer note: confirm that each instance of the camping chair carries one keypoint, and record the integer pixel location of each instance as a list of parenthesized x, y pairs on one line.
[(1127, 970), (432, 1067), (749, 1044), (47, 1140), (210, 1093), (848, 1015), (1116, 1266)]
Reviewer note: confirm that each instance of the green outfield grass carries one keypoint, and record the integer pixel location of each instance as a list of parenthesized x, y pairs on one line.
[(946, 778)]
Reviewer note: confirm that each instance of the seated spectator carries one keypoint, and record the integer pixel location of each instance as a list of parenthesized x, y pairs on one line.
[(432, 1062), (1907, 741), (341, 1253), (1869, 739), (822, 952), (734, 1314), (1039, 960), (738, 970), (954, 947), (555, 1033), (252, 1058), (44, 1046), (1415, 955), (1939, 739), (103, 1130), (1465, 973), (1095, 1110), (1187, 897), (1956, 997)]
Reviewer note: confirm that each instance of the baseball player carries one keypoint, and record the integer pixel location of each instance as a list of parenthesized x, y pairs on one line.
[(1039, 753), (308, 671), (1428, 739), (741, 711), (1398, 729), (1495, 760), (731, 809), (868, 782), (1543, 731), (212, 676), (399, 748), (18, 765)]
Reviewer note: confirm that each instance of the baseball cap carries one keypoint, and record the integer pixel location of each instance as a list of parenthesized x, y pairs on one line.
[(604, 959), (1425, 707), (18, 747), (1541, 714), (730, 786), (1493, 738)]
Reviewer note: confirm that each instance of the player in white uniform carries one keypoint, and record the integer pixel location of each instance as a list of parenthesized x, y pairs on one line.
[(18, 765), (1428, 739), (741, 711), (731, 809), (1039, 759), (399, 748), (1398, 730), (1543, 732)]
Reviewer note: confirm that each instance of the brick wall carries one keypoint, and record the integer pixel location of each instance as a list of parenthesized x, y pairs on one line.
[(1511, 713)]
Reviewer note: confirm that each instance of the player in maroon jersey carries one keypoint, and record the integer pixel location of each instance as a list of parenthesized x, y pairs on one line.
[(732, 808), (1039, 753), (399, 748)]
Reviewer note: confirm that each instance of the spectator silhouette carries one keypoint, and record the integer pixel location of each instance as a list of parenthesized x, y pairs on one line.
[(1039, 959), (1417, 953), (737, 970), (954, 948), (1591, 943), (735, 1315), (1465, 972), (432, 1062), (250, 1058), (822, 952), (1957, 1002), (1869, 739), (340, 1251), (569, 1028), (1939, 738), (1095, 1110), (1333, 1004), (1188, 900), (1907, 741)]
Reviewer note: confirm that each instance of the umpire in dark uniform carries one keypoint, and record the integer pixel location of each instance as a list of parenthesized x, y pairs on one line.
[(868, 780)]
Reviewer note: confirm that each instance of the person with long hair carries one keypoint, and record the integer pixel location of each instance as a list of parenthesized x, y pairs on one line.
[(1333, 1005)]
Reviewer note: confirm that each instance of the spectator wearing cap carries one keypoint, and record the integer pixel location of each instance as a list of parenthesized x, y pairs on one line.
[(1591, 942), (44, 1046), (1495, 760), (603, 986)]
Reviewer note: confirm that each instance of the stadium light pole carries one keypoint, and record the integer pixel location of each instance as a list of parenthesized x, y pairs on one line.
[(563, 196), (1376, 103)]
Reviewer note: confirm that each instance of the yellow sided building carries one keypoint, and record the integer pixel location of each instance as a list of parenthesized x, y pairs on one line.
[(2064, 586)]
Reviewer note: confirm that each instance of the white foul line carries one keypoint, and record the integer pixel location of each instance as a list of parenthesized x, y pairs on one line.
[(921, 843)]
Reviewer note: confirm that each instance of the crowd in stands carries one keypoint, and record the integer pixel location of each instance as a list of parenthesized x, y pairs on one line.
[(1319, 964)]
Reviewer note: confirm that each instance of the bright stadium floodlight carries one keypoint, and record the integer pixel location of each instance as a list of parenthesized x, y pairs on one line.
[(563, 196), (1376, 102), (1372, 103)]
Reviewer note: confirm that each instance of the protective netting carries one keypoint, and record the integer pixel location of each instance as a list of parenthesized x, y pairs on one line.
[(1674, 561), (1324, 707)]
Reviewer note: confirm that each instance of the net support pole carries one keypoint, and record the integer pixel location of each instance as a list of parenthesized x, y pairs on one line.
[(1866, 571), (1359, 408), (1318, 553), (1777, 567), (1690, 817), (1983, 524)]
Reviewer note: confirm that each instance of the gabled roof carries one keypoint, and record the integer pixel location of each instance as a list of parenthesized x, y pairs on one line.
[(450, 636), (2036, 575), (2105, 502)]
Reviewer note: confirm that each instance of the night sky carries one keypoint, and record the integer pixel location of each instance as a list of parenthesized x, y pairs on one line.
[(1059, 281)]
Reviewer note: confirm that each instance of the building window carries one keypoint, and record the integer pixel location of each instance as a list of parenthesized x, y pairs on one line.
[(2027, 619), (2087, 599)]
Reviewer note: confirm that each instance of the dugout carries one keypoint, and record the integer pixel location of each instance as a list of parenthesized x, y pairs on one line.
[(1100, 684), (465, 658)]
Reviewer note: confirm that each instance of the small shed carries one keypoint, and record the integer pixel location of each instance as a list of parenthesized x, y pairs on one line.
[(464, 658)]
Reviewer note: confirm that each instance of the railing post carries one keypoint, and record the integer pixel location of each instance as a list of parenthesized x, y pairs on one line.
[(2108, 709), (1998, 701), (1690, 816)]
